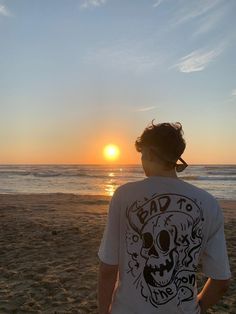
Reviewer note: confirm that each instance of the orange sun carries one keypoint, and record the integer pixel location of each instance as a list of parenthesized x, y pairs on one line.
[(111, 152)]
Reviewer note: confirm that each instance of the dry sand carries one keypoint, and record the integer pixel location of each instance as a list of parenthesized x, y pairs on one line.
[(48, 253)]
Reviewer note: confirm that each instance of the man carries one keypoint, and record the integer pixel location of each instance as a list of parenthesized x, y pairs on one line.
[(158, 231)]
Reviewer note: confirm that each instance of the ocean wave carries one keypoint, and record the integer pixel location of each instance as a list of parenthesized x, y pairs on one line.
[(222, 173), (14, 173), (51, 174), (45, 174), (208, 178), (219, 176), (221, 167)]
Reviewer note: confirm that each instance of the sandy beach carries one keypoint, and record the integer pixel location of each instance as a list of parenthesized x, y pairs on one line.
[(49, 246)]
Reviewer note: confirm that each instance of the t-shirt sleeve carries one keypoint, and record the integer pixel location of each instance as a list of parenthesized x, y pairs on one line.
[(109, 247), (215, 262)]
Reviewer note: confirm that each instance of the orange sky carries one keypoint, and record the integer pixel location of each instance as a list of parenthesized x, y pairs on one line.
[(91, 151), (84, 143)]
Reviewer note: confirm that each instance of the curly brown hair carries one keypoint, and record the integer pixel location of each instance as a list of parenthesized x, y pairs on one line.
[(165, 139)]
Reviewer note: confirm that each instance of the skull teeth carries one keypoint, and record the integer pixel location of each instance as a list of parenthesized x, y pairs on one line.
[(153, 273), (167, 266)]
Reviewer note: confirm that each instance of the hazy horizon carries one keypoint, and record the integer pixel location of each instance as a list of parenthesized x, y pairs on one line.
[(105, 164)]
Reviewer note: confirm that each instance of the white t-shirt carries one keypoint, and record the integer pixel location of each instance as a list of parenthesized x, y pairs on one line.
[(158, 230)]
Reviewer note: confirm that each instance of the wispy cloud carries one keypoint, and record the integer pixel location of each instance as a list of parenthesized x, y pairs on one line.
[(146, 109), (192, 9), (233, 92), (157, 3), (122, 56), (210, 21), (92, 3), (197, 60), (4, 10), (231, 99)]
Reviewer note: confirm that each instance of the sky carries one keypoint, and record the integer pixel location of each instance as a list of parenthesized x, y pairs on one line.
[(76, 75)]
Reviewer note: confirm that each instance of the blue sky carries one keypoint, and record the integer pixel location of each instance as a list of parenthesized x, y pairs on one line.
[(75, 74)]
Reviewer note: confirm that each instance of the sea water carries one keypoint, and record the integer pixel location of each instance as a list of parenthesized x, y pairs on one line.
[(219, 180)]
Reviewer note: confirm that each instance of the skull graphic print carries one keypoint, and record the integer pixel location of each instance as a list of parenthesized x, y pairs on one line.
[(163, 241)]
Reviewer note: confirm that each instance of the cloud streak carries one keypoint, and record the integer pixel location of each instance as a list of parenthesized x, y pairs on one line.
[(197, 60), (233, 92), (157, 3), (4, 11), (124, 57), (146, 109), (92, 3), (212, 20), (192, 9)]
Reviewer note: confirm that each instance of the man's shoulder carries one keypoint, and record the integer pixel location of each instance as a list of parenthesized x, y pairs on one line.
[(130, 190), (196, 189), (201, 193), (204, 199), (129, 186)]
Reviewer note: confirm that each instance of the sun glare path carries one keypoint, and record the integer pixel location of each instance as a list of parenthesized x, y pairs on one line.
[(111, 152)]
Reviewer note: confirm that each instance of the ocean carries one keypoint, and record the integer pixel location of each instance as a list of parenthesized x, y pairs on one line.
[(219, 180)]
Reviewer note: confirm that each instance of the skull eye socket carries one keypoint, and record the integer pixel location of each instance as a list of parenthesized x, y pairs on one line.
[(163, 240), (147, 240)]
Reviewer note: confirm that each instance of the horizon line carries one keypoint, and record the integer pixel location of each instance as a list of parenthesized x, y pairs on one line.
[(103, 164)]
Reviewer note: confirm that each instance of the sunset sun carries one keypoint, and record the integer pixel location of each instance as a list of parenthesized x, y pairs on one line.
[(111, 152)]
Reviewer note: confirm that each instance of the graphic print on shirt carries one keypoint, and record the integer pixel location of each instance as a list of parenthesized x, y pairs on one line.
[(163, 240)]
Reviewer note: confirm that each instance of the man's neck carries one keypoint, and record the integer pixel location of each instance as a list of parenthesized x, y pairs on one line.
[(162, 173)]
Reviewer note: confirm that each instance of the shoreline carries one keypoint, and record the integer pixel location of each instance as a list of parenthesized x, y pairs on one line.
[(82, 195), (89, 198), (49, 245)]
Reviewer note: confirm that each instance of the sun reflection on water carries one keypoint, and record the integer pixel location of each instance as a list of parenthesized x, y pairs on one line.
[(110, 185), (110, 189)]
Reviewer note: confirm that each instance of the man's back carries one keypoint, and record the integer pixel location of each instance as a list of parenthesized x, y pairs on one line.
[(157, 232)]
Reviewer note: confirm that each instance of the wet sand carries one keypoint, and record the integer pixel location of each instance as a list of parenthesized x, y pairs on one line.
[(48, 253)]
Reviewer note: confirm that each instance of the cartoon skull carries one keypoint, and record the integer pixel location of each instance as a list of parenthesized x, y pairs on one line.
[(164, 242), (159, 250)]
